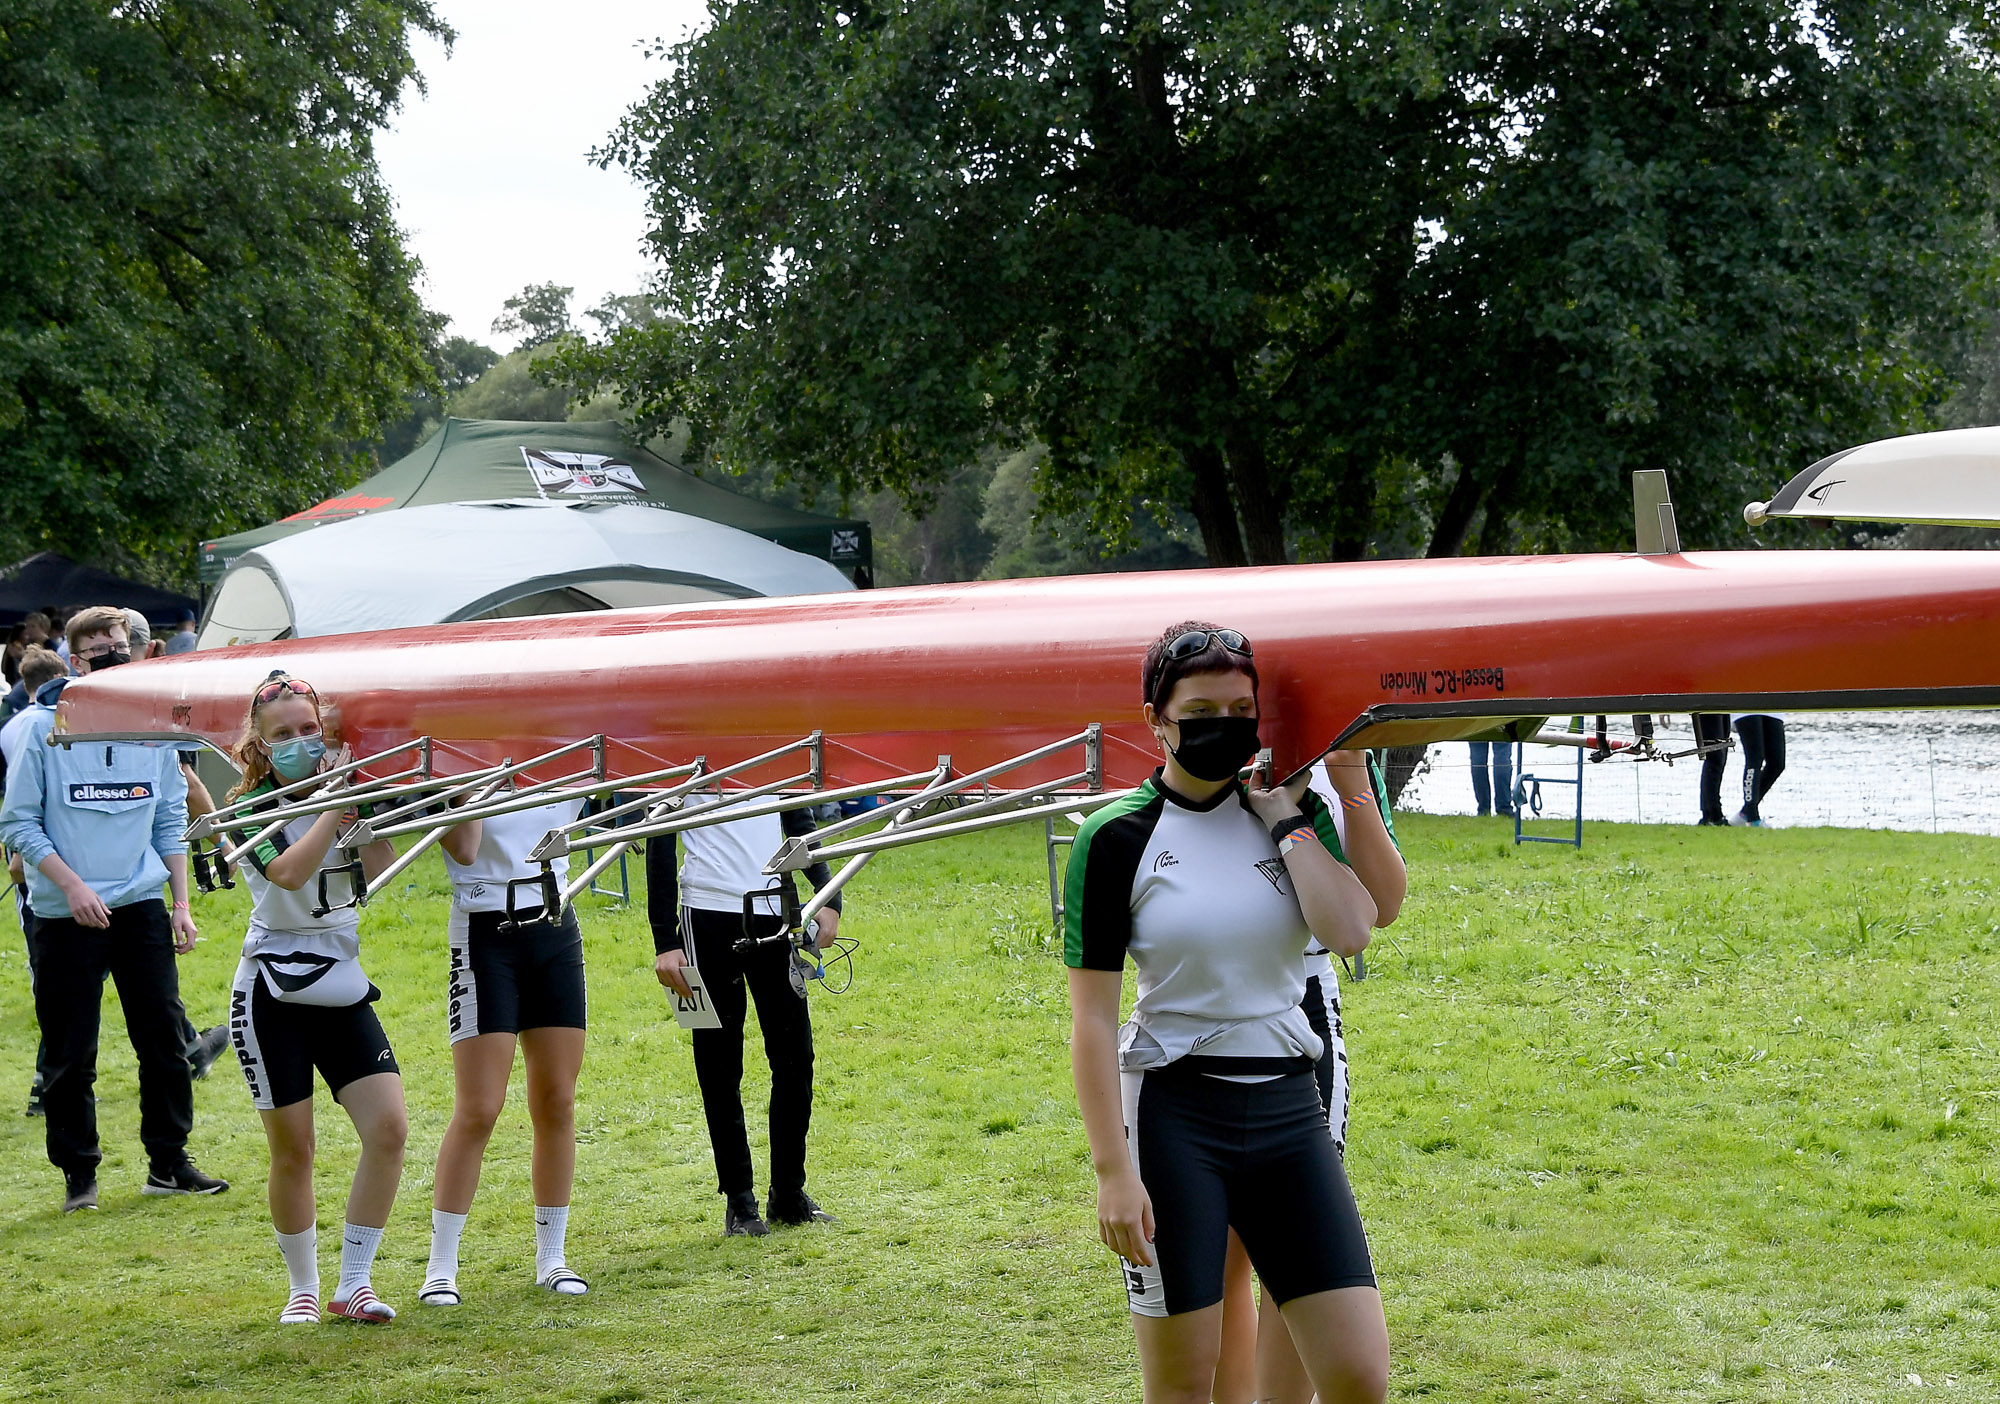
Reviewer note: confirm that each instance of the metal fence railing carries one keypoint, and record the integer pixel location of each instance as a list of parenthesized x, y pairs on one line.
[(1930, 771)]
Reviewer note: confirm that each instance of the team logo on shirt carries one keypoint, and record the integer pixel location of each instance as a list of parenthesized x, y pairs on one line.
[(580, 474), (90, 790), (1274, 869), (1165, 860)]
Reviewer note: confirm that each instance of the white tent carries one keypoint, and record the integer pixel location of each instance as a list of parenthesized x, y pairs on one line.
[(493, 560)]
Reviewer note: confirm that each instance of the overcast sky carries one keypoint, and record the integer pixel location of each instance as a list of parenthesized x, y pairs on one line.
[(489, 169)]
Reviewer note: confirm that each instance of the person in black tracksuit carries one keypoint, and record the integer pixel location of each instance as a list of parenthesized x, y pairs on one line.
[(1763, 738), (698, 916), (1709, 728)]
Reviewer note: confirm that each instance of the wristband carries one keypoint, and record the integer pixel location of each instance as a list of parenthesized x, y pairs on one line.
[(180, 906), (1358, 801), (1299, 831), (1285, 826)]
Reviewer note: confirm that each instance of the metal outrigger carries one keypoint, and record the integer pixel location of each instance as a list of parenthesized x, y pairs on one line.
[(413, 800)]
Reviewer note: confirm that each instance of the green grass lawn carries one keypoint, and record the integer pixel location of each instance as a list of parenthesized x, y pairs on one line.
[(1702, 1115)]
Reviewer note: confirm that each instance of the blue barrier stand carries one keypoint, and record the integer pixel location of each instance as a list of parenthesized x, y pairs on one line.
[(1528, 798)]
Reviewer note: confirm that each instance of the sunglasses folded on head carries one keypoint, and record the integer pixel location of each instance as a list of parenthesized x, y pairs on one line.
[(1192, 644), (279, 687), (1195, 641)]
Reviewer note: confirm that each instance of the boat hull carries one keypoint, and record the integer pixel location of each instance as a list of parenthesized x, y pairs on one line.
[(1366, 653)]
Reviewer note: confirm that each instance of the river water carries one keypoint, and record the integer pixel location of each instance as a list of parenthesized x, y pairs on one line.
[(1930, 771)]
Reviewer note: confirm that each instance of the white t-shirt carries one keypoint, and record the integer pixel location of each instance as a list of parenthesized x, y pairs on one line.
[(722, 862), (504, 844), (282, 920)]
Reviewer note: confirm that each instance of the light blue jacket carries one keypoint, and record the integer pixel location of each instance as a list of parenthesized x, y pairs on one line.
[(112, 812)]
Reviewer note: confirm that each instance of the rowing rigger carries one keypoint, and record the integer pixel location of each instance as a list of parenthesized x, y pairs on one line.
[(410, 800)]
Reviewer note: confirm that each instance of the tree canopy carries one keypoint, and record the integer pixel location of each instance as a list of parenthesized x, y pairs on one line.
[(205, 304), (1315, 271)]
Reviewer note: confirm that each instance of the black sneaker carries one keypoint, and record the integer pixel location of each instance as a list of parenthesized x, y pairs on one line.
[(739, 1217), (203, 1052), (79, 1190), (183, 1179), (795, 1209)]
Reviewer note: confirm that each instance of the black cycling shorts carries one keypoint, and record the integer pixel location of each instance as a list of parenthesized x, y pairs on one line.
[(507, 981), (278, 1045), (1252, 1156)]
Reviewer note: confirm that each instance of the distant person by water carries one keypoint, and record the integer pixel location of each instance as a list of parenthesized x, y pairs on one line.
[(1763, 738), (1712, 729), (1493, 793)]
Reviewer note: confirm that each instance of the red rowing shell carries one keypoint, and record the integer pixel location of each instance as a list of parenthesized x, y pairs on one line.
[(1369, 653)]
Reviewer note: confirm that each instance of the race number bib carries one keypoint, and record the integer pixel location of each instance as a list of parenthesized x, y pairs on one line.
[(697, 1012)]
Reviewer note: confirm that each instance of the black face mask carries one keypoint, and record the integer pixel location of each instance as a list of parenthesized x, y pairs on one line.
[(108, 660), (1215, 748)]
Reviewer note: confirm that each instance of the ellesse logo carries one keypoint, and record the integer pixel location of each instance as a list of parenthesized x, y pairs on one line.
[(90, 790)]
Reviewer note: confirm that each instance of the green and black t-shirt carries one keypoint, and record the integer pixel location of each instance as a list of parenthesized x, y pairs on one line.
[(1198, 897)]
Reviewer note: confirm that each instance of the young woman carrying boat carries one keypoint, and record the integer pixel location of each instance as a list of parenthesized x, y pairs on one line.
[(513, 983), (1259, 1361), (301, 1002), (1205, 1116)]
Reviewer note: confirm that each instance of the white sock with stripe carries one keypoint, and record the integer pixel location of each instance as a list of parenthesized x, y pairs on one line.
[(551, 1227), (446, 1230), (301, 1252), (358, 1243)]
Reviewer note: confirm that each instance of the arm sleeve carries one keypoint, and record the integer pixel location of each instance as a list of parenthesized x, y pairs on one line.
[(170, 811), (1381, 787), (798, 823), (21, 827), (1317, 809), (1097, 891), (262, 856), (663, 893), (1314, 806)]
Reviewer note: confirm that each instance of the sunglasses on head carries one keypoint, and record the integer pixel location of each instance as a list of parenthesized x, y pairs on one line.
[(278, 687), (1195, 640), (1193, 643)]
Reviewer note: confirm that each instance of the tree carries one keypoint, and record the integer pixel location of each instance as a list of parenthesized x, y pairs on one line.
[(510, 389), (456, 363), (205, 303), (1278, 263), (539, 313)]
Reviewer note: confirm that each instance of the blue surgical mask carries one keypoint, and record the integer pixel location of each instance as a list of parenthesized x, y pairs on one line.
[(298, 757)]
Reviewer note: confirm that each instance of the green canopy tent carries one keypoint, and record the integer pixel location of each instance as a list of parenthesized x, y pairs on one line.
[(480, 460)]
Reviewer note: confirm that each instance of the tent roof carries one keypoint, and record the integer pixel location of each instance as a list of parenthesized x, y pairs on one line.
[(49, 579), (483, 459), (451, 561)]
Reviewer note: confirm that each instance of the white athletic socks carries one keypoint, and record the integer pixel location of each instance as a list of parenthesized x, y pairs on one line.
[(301, 1252), (358, 1243), (446, 1230), (551, 1225)]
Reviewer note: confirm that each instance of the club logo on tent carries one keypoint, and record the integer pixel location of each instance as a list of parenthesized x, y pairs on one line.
[(583, 474), (846, 542)]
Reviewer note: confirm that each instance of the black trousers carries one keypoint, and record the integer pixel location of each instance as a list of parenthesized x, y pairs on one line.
[(1763, 741), (28, 933), (1712, 726), (71, 961), (718, 1053)]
